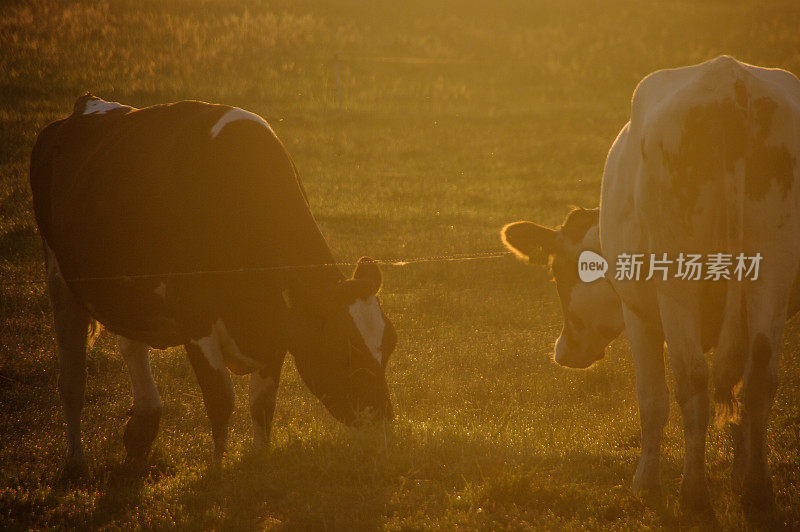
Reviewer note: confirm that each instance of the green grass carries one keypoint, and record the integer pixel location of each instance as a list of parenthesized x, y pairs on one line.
[(447, 119)]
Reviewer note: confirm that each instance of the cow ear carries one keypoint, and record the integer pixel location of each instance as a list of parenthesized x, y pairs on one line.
[(80, 103), (530, 241), (367, 271), (365, 282)]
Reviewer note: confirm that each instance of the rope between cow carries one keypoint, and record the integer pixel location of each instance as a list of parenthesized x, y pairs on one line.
[(460, 257)]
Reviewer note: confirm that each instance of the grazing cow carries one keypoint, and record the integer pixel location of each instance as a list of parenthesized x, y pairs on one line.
[(131, 203), (708, 163)]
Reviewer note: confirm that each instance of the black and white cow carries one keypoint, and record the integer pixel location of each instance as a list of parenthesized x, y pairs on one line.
[(708, 163), (130, 201)]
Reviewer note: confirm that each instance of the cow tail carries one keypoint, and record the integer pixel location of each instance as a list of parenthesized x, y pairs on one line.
[(731, 351), (730, 357), (95, 328), (731, 347)]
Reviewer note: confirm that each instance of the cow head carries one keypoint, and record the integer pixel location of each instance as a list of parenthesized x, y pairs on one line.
[(342, 343), (592, 310)]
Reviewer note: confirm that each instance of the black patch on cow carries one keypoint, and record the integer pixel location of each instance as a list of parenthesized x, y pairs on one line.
[(217, 391), (769, 163), (718, 134), (766, 164), (712, 139), (578, 222)]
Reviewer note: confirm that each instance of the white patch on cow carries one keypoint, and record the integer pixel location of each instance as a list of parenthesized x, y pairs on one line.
[(145, 393), (100, 107), (237, 114), (261, 388), (367, 315), (212, 350), (221, 350), (161, 289)]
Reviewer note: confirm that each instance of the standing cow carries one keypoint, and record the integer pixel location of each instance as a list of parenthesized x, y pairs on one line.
[(707, 164), (130, 202)]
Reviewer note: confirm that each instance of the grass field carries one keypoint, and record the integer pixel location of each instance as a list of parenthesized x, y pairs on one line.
[(419, 129)]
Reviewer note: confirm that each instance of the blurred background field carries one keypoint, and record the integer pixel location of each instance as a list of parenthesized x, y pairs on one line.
[(419, 128)]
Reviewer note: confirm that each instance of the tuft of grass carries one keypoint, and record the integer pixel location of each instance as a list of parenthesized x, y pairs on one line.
[(419, 128)]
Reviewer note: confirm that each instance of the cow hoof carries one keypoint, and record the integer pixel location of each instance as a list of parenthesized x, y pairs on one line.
[(737, 481), (220, 446), (646, 489), (216, 459), (695, 502), (761, 519), (757, 498), (140, 431), (214, 469), (758, 504), (646, 481), (261, 445), (74, 470)]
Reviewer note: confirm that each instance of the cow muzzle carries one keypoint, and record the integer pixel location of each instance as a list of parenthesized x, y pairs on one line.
[(569, 356)]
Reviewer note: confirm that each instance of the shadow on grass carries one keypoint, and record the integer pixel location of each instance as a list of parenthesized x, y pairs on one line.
[(121, 492), (334, 484), (290, 489)]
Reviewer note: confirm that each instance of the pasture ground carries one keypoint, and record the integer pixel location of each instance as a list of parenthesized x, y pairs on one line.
[(419, 129)]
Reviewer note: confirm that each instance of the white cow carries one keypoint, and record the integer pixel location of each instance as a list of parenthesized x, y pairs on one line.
[(707, 164)]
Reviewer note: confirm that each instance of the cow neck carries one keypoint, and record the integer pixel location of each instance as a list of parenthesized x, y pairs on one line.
[(319, 278), (307, 284), (306, 294)]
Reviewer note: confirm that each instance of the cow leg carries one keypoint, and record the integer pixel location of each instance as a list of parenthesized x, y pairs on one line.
[(680, 319), (760, 383), (142, 427), (71, 327), (647, 345), (205, 356), (729, 359), (263, 390), (737, 430), (766, 317), (758, 392)]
